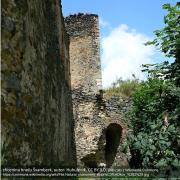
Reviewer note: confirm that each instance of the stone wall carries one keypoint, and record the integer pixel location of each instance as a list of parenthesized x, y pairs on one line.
[(37, 123), (99, 125), (95, 116), (83, 30), (117, 104)]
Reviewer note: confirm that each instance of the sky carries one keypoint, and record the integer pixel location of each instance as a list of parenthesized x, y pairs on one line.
[(125, 25)]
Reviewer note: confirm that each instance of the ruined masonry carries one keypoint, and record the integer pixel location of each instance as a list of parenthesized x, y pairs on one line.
[(37, 117), (84, 53), (99, 126), (48, 77)]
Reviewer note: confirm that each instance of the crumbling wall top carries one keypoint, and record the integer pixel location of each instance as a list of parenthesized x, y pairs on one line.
[(81, 24)]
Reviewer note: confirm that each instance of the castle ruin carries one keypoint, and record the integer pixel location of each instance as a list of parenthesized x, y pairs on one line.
[(51, 87), (99, 128), (83, 30), (37, 117)]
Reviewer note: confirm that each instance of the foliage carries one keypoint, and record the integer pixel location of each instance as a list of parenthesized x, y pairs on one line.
[(155, 114), (159, 70), (155, 120), (168, 41), (123, 87)]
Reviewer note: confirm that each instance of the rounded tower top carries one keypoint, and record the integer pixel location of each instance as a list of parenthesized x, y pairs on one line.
[(82, 24)]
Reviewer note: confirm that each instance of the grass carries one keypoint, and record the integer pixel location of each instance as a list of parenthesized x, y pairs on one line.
[(124, 88)]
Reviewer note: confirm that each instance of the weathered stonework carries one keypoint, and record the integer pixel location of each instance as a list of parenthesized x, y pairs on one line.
[(37, 116), (95, 117), (37, 123), (83, 30), (99, 126)]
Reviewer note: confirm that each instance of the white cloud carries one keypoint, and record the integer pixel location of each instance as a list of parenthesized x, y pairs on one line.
[(123, 53)]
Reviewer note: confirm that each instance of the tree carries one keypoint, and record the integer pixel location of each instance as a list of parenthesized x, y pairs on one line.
[(155, 114), (155, 120), (168, 41)]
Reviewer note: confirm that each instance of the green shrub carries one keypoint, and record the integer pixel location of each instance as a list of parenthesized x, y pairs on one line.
[(155, 120), (155, 116)]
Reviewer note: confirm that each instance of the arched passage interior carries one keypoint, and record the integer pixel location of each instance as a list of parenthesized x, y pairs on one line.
[(113, 137)]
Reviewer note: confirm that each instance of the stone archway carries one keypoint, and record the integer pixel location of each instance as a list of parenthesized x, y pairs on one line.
[(107, 147), (113, 136)]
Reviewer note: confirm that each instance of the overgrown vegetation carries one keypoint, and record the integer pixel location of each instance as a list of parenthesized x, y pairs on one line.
[(155, 115), (156, 126), (124, 88), (168, 41)]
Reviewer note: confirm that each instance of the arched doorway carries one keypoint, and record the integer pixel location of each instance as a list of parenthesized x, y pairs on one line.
[(113, 136), (107, 147)]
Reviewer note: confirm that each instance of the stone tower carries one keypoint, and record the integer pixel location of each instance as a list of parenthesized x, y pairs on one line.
[(98, 132), (83, 30)]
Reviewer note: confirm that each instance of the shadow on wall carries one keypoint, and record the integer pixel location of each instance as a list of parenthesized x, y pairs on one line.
[(107, 148)]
